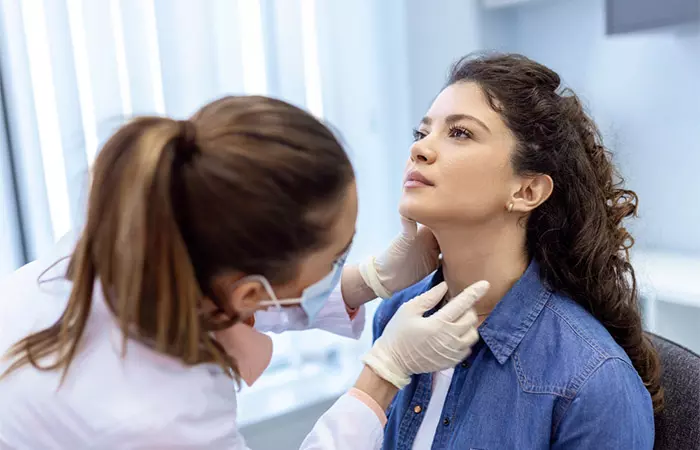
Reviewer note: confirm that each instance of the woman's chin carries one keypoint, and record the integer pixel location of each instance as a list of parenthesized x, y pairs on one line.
[(414, 210)]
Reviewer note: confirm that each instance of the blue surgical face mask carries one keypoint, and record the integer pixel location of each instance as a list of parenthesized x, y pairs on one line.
[(314, 297)]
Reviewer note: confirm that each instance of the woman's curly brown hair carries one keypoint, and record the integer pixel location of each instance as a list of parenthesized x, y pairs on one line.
[(577, 235)]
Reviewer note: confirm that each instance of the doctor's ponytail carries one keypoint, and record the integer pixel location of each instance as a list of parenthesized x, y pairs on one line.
[(174, 204)]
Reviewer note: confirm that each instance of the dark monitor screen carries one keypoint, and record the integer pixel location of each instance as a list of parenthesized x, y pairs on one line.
[(624, 16)]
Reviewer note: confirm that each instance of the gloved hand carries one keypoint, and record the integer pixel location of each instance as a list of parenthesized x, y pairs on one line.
[(412, 256), (413, 344)]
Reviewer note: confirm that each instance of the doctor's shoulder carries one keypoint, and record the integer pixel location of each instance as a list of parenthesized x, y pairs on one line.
[(140, 397), (141, 400), (35, 295)]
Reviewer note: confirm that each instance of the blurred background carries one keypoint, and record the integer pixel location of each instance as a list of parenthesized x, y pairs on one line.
[(71, 71)]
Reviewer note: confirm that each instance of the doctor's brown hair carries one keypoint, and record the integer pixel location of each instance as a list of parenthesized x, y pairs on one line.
[(577, 236), (173, 204)]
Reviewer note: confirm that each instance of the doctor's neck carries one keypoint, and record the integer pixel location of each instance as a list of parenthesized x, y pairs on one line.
[(491, 252)]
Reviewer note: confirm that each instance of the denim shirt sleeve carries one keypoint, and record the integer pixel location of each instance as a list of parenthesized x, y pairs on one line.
[(610, 411)]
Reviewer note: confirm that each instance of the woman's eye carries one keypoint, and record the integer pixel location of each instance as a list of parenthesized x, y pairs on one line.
[(418, 135), (460, 133)]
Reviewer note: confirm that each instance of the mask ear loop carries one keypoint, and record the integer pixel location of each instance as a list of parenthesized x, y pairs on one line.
[(276, 303)]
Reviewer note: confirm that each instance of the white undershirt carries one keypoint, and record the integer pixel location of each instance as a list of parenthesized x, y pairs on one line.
[(428, 427)]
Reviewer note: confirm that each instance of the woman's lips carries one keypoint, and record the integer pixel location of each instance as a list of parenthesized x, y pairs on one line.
[(415, 179), (414, 184)]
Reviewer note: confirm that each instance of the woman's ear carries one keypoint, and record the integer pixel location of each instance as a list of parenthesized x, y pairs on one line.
[(533, 191)]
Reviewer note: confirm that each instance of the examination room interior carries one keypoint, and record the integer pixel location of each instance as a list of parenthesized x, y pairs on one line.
[(71, 71)]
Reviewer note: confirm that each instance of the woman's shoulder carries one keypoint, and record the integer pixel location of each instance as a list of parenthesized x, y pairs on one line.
[(595, 378), (585, 330), (565, 347)]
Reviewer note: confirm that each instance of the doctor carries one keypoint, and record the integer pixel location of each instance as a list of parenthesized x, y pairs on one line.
[(200, 234)]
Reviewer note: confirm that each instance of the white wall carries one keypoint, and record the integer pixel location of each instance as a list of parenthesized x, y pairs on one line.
[(355, 98), (678, 323), (644, 92), (438, 33)]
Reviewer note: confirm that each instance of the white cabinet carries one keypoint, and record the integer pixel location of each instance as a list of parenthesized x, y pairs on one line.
[(669, 286)]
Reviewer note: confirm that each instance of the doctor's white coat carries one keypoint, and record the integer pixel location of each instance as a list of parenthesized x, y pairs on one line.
[(146, 400)]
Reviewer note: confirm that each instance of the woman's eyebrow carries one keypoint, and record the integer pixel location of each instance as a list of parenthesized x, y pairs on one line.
[(454, 118)]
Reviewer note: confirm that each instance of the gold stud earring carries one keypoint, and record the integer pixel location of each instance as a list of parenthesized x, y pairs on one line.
[(510, 207)]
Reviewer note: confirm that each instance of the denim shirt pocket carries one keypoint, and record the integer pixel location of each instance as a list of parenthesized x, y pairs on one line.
[(534, 384)]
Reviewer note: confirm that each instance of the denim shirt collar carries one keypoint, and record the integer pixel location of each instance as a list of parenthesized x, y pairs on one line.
[(510, 320)]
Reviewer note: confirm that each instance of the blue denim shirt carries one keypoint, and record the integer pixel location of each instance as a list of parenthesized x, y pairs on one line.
[(545, 374)]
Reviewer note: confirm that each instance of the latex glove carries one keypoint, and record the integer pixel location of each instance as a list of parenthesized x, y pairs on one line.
[(413, 344), (412, 256)]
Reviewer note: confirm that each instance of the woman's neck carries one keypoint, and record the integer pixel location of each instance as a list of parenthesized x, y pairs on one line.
[(492, 253)]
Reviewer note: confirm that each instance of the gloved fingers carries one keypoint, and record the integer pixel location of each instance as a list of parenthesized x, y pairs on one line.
[(467, 322), (440, 358), (456, 342), (447, 354), (410, 361), (460, 305), (430, 299), (409, 227), (461, 348), (470, 338), (465, 354)]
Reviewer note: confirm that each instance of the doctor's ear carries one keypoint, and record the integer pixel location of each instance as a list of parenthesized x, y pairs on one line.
[(246, 297), (241, 297), (533, 191)]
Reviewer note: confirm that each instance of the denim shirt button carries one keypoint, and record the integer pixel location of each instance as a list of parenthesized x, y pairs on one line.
[(446, 422), (417, 409)]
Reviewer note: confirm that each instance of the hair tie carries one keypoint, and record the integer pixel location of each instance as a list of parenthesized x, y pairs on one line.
[(187, 140)]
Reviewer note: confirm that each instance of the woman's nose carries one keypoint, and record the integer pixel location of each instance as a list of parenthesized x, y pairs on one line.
[(422, 153)]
